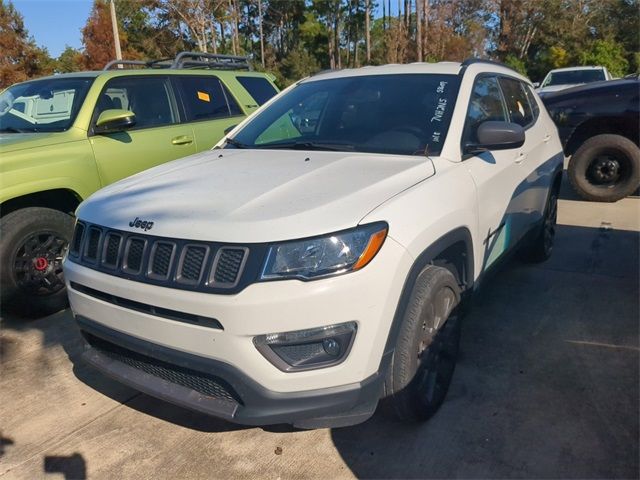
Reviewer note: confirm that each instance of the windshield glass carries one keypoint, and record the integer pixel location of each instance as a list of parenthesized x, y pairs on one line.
[(49, 105), (574, 76), (406, 114)]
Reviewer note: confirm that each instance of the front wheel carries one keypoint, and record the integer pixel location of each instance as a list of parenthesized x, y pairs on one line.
[(425, 353), (606, 168), (32, 243)]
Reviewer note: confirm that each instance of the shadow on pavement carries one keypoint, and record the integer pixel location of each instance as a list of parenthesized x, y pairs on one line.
[(547, 381), (72, 466)]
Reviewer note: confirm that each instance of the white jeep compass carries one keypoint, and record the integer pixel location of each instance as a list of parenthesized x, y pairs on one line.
[(316, 261)]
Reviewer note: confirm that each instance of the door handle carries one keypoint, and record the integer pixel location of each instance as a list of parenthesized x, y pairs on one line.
[(182, 140), (521, 157), (547, 138)]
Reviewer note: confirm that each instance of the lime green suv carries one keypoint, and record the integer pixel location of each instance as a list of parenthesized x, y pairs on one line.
[(65, 136)]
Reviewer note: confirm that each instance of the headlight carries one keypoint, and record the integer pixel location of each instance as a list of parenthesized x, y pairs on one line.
[(332, 254)]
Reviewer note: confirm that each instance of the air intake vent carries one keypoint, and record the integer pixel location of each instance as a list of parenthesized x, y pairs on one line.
[(111, 250), (76, 243), (134, 253), (161, 259), (227, 266), (193, 258), (91, 252)]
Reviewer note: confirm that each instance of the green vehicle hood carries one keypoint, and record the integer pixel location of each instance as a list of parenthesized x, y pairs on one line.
[(11, 142)]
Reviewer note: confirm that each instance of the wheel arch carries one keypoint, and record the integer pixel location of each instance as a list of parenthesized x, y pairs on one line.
[(62, 199), (627, 127), (453, 251)]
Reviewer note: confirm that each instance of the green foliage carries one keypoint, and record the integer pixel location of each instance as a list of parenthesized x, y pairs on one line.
[(299, 63), (607, 53), (517, 64), (558, 57), (70, 60)]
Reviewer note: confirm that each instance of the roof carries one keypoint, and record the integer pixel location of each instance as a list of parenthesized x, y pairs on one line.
[(586, 67), (442, 68)]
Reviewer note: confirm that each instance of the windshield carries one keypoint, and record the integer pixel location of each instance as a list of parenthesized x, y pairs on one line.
[(573, 77), (406, 114), (49, 105)]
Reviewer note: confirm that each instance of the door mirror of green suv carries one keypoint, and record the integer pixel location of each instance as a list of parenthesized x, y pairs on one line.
[(115, 120)]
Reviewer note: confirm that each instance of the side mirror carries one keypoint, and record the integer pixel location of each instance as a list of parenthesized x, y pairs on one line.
[(496, 136), (115, 120), (536, 84)]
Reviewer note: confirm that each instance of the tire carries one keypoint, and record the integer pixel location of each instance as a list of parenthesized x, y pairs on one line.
[(32, 243), (606, 168), (541, 247), (427, 346)]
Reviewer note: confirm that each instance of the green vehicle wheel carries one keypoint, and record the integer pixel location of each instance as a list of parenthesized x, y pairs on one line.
[(32, 244)]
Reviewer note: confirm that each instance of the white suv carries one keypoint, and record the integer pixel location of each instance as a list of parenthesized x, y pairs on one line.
[(317, 260)]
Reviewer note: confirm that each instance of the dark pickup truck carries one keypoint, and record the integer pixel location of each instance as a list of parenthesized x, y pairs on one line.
[(598, 125)]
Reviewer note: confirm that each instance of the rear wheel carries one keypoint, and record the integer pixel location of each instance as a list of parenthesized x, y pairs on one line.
[(427, 346), (605, 168), (32, 244)]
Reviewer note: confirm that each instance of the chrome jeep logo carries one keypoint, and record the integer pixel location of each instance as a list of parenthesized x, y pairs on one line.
[(142, 224)]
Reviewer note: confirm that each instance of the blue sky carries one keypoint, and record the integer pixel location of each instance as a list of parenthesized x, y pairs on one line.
[(55, 23)]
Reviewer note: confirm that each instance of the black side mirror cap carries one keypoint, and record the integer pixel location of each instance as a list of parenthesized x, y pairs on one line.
[(493, 135)]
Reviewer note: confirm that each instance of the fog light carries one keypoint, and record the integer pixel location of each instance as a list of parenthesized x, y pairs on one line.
[(307, 349)]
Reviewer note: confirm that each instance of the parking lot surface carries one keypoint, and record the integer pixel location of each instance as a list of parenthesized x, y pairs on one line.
[(547, 386)]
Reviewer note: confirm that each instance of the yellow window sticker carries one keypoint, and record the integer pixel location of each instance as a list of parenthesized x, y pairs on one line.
[(204, 97)]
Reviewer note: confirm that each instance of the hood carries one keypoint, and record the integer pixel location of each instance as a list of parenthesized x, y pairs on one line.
[(249, 196), (556, 88), (11, 142)]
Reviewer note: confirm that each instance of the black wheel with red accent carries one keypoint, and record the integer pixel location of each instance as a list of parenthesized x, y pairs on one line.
[(32, 244)]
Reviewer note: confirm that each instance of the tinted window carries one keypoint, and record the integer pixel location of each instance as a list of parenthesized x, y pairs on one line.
[(397, 114), (486, 104), (573, 76), (147, 97), (533, 102), (517, 101), (259, 88), (205, 98), (48, 105)]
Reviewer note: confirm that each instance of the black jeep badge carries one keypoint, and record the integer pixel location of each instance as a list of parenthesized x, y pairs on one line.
[(143, 224)]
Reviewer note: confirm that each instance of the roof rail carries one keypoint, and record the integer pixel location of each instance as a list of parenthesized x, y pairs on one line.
[(188, 60), (210, 60), (472, 60)]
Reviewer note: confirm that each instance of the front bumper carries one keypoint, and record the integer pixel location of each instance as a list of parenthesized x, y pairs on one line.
[(221, 390)]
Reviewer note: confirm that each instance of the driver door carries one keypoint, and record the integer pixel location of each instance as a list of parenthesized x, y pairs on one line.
[(157, 136)]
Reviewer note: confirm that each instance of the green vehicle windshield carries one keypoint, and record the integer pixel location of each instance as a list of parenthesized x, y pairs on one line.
[(47, 105)]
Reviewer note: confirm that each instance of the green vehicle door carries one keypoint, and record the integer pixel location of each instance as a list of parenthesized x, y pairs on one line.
[(209, 107), (156, 137)]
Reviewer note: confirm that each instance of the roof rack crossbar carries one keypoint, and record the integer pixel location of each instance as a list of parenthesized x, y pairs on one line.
[(188, 60), (214, 60)]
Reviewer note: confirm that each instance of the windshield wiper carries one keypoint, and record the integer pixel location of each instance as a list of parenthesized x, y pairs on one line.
[(331, 147), (236, 143)]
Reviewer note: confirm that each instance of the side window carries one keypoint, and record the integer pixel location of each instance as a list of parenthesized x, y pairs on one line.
[(147, 97), (259, 88), (517, 102), (205, 98), (534, 103), (486, 104)]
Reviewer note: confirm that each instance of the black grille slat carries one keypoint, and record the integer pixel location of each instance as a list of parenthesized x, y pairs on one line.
[(93, 242), (228, 265), (192, 263), (135, 251), (112, 249), (76, 243), (202, 383), (161, 259), (174, 263)]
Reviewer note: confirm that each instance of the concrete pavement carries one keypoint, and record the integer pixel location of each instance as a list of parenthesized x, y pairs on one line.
[(547, 386)]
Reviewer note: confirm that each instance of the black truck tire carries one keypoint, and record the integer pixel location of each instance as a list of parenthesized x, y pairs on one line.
[(426, 348), (32, 243), (606, 168)]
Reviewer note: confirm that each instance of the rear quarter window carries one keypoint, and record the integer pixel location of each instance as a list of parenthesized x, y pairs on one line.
[(259, 88), (517, 101)]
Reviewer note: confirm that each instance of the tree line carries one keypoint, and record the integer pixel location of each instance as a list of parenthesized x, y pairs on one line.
[(295, 38)]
